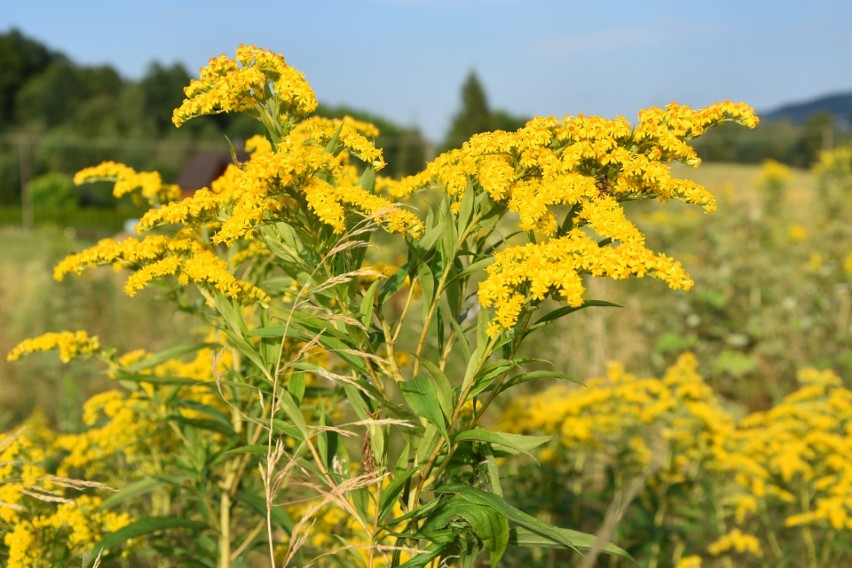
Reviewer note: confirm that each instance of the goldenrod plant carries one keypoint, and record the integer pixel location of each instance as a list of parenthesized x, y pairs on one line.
[(696, 485), (333, 411)]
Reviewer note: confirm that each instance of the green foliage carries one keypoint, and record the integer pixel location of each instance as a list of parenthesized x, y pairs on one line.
[(20, 59), (52, 189), (473, 117), (333, 407), (781, 140)]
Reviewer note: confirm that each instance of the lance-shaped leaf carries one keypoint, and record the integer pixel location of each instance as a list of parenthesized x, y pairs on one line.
[(422, 397), (561, 537)]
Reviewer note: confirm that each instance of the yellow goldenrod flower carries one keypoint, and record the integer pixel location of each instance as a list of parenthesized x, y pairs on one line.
[(71, 344), (243, 84), (586, 166), (147, 185), (736, 541), (689, 562)]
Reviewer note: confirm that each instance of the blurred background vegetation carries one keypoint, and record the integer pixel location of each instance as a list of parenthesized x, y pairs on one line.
[(772, 266)]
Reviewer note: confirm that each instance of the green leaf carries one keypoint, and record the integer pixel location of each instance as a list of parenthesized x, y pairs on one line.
[(296, 386), (331, 147), (128, 492), (565, 537), (418, 513), (466, 207), (565, 310), (442, 387), (204, 424), (356, 400), (368, 179), (490, 526), (493, 472), (432, 552), (232, 151), (427, 443), (305, 328), (392, 285), (485, 377), (250, 449), (514, 443), (365, 310), (421, 396), (294, 413), (351, 551), (157, 379), (450, 236), (482, 329), (392, 492), (145, 526), (431, 236), (462, 338), (427, 285), (536, 375), (472, 268)]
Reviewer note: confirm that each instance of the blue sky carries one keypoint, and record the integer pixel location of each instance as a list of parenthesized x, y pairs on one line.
[(406, 59)]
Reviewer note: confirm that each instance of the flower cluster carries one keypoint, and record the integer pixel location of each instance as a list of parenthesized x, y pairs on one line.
[(622, 414), (773, 175), (148, 186), (562, 175), (530, 272), (158, 256), (73, 526), (246, 84), (50, 518), (803, 444), (278, 184), (71, 344), (771, 472), (301, 175)]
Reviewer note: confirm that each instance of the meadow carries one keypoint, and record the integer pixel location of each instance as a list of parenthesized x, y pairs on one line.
[(758, 270), (309, 373)]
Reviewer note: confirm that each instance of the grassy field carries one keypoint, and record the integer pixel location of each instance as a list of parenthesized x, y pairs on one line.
[(709, 389), (32, 303), (762, 308)]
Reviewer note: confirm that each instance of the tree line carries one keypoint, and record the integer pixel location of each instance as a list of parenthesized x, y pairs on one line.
[(57, 116)]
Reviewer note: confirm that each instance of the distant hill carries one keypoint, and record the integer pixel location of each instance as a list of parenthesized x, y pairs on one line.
[(840, 105)]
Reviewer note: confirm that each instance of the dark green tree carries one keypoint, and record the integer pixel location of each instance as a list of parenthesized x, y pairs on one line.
[(818, 133), (161, 91), (20, 59), (412, 153), (502, 120), (51, 97), (473, 117)]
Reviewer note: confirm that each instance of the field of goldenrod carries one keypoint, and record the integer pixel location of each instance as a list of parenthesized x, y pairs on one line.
[(328, 410)]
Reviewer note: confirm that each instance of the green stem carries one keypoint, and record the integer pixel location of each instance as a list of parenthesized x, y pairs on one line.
[(439, 289), (224, 529), (804, 496), (495, 389), (774, 545), (439, 444), (659, 518)]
